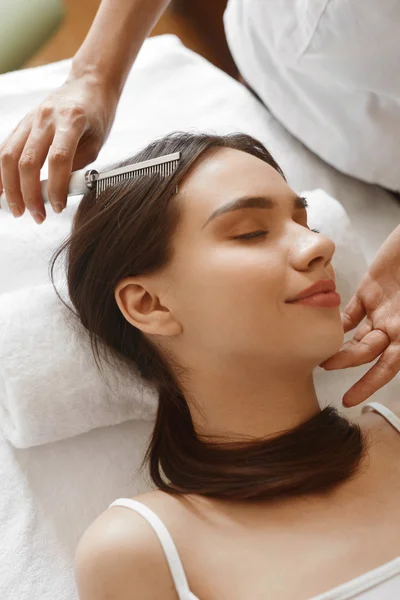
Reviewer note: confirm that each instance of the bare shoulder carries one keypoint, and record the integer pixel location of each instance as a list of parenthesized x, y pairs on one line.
[(119, 556)]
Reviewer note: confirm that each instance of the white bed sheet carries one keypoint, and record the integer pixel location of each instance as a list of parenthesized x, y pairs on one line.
[(50, 494)]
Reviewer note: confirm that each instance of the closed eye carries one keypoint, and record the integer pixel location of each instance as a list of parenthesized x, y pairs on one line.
[(250, 236), (259, 233)]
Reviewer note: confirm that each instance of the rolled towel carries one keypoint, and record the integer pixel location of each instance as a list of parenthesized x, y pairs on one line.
[(50, 388)]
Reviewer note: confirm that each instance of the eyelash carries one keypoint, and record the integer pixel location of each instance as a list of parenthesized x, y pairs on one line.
[(255, 234)]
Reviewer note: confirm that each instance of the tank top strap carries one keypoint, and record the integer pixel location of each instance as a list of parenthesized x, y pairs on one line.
[(384, 411), (167, 543)]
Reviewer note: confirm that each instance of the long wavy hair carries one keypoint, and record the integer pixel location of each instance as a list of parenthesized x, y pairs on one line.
[(127, 231)]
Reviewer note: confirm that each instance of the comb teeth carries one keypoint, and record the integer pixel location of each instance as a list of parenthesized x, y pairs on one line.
[(164, 168)]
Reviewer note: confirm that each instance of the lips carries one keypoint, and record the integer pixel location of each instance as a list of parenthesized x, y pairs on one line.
[(320, 287)]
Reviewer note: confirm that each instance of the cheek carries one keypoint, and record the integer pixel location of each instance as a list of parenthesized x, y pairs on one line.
[(229, 287)]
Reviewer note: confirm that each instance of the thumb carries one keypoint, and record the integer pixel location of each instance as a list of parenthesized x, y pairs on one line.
[(353, 313)]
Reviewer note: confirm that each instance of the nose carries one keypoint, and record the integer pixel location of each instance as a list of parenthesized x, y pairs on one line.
[(309, 250)]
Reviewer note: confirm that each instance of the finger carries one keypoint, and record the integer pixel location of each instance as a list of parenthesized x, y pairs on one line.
[(363, 330), (5, 143), (9, 169), (383, 371), (61, 157), (337, 359), (31, 161), (359, 352), (353, 313), (8, 143)]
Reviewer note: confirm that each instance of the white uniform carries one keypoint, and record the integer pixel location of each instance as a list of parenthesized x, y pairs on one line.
[(329, 71)]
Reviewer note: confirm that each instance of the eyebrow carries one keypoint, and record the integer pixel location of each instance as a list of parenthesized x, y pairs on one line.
[(252, 202)]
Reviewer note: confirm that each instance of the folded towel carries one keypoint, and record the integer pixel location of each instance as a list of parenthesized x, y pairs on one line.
[(50, 388), (26, 248)]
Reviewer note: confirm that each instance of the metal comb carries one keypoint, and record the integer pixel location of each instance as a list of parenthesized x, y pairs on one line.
[(80, 181), (164, 165)]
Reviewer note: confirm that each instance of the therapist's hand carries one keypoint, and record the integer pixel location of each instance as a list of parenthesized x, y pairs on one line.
[(70, 126), (378, 299)]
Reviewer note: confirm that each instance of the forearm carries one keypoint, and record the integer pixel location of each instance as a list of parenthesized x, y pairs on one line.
[(115, 38)]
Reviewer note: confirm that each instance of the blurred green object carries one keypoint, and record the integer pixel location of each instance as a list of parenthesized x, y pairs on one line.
[(25, 25)]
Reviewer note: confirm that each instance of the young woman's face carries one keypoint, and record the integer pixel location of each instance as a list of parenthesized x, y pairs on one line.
[(233, 272)]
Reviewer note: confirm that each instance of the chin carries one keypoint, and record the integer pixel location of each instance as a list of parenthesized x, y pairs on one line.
[(331, 343), (321, 342)]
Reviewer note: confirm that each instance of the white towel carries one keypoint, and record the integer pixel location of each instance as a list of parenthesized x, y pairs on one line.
[(50, 388)]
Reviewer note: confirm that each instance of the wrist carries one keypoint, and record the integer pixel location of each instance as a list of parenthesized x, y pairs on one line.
[(96, 78)]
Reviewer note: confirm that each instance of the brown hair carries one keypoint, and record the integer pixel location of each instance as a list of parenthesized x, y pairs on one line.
[(126, 232)]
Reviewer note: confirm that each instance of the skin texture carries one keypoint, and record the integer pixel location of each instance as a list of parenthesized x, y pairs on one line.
[(219, 307)]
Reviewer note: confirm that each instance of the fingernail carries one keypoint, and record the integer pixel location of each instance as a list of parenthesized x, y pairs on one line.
[(16, 211), (39, 217), (58, 207)]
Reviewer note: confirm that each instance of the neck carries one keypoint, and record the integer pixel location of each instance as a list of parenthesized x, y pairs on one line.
[(248, 400)]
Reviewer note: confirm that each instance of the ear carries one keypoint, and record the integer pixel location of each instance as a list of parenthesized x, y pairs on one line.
[(142, 308)]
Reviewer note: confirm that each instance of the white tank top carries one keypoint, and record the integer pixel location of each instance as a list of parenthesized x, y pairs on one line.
[(382, 583)]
